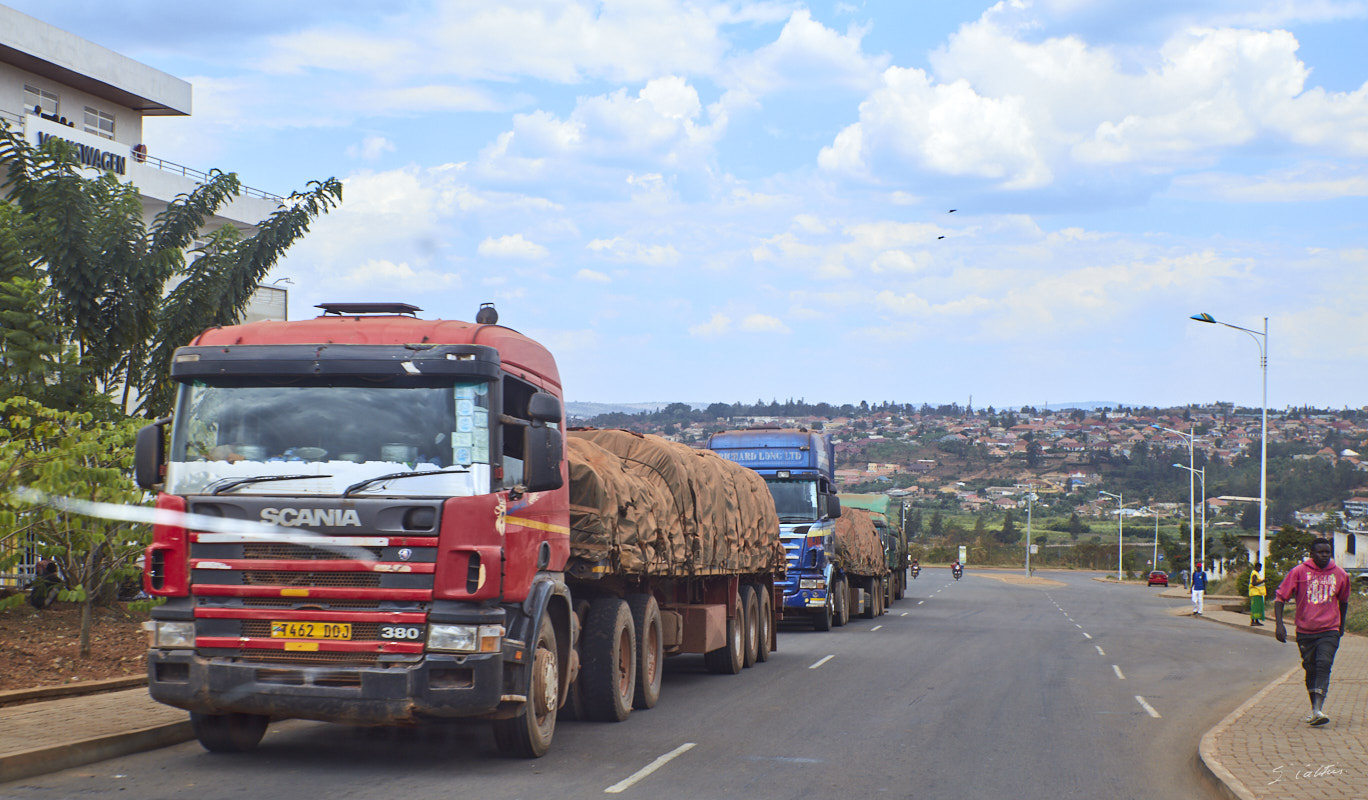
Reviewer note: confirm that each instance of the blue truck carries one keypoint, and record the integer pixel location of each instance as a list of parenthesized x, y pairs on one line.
[(799, 467)]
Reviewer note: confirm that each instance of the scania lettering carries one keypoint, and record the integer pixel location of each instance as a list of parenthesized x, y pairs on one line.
[(427, 559)]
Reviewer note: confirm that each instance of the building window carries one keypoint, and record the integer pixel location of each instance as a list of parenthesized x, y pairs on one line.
[(99, 123), (35, 98), (1350, 543)]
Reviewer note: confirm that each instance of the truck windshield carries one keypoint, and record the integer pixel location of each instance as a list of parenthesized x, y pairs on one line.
[(795, 500), (332, 433)]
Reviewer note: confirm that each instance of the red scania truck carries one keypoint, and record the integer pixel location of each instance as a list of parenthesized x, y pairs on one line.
[(419, 540)]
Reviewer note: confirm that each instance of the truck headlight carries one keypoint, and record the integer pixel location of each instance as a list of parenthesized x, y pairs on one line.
[(812, 583), (173, 635), (465, 638)]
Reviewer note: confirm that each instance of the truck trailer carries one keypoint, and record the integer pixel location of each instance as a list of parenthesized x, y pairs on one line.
[(887, 518), (422, 538)]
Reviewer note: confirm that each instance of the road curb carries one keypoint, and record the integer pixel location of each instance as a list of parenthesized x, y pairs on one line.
[(41, 761), (16, 696), (1206, 749)]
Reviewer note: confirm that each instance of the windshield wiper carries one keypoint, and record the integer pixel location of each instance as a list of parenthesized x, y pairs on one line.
[(794, 518), (224, 484), (395, 475)]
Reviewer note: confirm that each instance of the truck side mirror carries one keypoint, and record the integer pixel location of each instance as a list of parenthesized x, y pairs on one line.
[(149, 454), (833, 506), (542, 456), (544, 407)]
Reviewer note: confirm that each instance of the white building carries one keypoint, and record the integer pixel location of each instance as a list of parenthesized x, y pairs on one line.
[(54, 83)]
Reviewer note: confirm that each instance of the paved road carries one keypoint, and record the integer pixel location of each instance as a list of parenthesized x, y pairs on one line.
[(975, 689)]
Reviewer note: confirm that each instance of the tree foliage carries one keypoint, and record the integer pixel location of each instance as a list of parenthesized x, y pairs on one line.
[(116, 296), (71, 454)]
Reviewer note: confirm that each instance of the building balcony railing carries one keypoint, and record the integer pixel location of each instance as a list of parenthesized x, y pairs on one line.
[(140, 156)]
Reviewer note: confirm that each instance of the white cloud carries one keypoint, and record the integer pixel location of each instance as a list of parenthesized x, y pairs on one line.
[(1305, 183), (763, 323), (512, 246), (806, 55), (716, 326), (626, 250), (371, 148), (389, 275), (592, 276)]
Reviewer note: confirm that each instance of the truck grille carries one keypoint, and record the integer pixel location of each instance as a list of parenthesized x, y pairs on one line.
[(261, 577), (290, 657)]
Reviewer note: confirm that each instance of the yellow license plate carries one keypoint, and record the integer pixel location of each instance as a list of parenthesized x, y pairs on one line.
[(311, 630)]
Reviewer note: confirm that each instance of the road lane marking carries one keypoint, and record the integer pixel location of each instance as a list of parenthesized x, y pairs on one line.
[(875, 628), (919, 602), (903, 614), (1149, 709), (1118, 672), (1076, 625), (822, 661), (1085, 633), (1099, 650), (630, 781)]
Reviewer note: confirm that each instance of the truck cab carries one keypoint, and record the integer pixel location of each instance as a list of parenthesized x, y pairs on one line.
[(799, 468)]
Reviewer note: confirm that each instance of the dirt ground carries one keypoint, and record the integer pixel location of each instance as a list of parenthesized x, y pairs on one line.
[(41, 648)]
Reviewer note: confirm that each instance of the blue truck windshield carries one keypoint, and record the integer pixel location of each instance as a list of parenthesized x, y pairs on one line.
[(795, 500)]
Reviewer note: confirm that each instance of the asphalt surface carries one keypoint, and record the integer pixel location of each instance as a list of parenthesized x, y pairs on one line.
[(978, 688)]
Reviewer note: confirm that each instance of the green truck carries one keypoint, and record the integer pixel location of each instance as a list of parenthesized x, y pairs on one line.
[(885, 513)]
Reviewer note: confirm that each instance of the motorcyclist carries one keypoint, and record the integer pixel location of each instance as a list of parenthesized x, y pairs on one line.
[(957, 568), (916, 567)]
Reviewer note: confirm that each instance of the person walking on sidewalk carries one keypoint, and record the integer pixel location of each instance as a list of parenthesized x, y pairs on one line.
[(1199, 579), (1321, 591), (1257, 590)]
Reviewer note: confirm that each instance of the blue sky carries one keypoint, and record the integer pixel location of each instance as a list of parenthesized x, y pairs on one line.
[(704, 201)]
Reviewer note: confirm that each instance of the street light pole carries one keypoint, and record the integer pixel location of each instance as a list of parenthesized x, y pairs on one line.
[(1030, 498), (1201, 474), (1120, 532), (1191, 436), (1263, 426)]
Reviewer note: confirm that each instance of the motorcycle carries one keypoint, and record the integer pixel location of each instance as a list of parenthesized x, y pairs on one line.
[(915, 572), (958, 572)]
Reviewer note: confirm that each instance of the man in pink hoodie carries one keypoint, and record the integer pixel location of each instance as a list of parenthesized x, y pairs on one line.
[(1321, 590)]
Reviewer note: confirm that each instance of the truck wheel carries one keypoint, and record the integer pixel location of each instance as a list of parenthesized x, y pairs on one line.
[(871, 603), (750, 606), (528, 735), (229, 733), (650, 639), (840, 612), (608, 677), (821, 621), (886, 596), (766, 637), (574, 696), (727, 660)]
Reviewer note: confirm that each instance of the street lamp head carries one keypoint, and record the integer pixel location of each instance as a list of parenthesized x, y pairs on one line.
[(1180, 466), (1203, 317)]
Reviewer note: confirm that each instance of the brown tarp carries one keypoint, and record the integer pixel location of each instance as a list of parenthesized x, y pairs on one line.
[(859, 550), (656, 507)]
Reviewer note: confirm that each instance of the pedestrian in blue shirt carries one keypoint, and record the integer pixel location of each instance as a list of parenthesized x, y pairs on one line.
[(1199, 580)]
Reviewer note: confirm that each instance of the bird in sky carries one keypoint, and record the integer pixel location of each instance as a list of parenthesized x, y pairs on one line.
[(951, 211)]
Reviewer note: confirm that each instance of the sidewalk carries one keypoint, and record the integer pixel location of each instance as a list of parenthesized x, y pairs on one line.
[(1261, 750), (51, 735), (1264, 750)]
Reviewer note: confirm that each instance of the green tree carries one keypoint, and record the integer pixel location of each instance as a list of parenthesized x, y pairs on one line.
[(1288, 546), (937, 525), (1008, 534), (105, 274), (72, 454), (1076, 526)]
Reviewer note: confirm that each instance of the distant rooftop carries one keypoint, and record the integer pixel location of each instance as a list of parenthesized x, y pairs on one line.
[(51, 52)]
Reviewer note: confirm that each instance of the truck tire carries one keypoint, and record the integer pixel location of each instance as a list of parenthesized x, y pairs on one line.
[(608, 677), (650, 640), (766, 637), (821, 621), (229, 733), (870, 610), (528, 735), (840, 613), (750, 607), (886, 596), (574, 696), (727, 660)]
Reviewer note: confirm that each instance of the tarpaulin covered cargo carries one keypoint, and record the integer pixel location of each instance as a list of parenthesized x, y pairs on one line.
[(859, 550), (655, 507)]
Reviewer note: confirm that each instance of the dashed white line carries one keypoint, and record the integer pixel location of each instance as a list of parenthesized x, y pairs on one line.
[(1076, 625), (1099, 650), (1149, 709), (919, 602), (875, 628), (1118, 672), (822, 661), (903, 614), (630, 781), (1085, 633)]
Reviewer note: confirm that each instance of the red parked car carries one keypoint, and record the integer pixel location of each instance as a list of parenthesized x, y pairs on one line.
[(1158, 578)]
